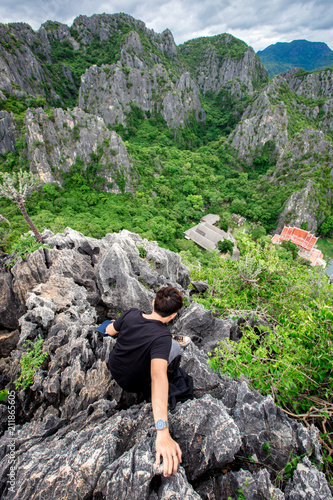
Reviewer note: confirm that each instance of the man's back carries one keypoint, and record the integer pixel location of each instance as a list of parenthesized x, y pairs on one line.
[(140, 340)]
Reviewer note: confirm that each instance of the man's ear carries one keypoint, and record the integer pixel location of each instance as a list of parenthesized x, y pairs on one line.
[(153, 304)]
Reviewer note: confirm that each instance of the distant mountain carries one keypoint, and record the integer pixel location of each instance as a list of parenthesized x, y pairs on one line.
[(282, 56)]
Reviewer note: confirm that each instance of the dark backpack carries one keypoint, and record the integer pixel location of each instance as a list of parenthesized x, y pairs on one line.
[(180, 387)]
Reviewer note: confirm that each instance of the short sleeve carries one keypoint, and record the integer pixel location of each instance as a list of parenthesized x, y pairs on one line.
[(161, 348), (118, 322)]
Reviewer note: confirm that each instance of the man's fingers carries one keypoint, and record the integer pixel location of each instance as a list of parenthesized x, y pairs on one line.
[(166, 466), (175, 464), (179, 453), (158, 459), (171, 464)]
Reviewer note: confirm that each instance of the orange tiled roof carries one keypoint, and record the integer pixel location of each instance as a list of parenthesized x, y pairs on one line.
[(302, 239)]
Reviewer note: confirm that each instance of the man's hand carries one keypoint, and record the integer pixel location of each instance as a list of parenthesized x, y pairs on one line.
[(169, 450), (165, 445)]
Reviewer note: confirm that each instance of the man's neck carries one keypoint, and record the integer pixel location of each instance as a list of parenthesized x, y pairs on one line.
[(156, 317)]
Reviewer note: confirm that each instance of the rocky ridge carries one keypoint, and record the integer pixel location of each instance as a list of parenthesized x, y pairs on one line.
[(298, 155), (108, 92), (80, 436), (223, 62), (55, 143)]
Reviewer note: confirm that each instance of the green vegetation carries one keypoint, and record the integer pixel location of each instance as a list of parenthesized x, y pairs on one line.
[(225, 246), (32, 359), (325, 245), (26, 245), (294, 362), (3, 394), (194, 52)]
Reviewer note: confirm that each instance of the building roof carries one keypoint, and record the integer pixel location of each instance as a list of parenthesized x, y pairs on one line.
[(300, 237), (210, 218), (199, 239), (305, 241), (206, 235)]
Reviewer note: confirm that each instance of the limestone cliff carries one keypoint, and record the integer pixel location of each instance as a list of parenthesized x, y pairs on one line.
[(55, 143), (224, 62), (109, 90), (316, 85), (21, 70), (78, 435), (303, 151)]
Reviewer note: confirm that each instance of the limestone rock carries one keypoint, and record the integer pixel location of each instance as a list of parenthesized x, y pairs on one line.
[(8, 342), (78, 435), (308, 483), (214, 76), (261, 122), (199, 286), (7, 132), (300, 208), (109, 90), (16, 283), (253, 486), (316, 85), (267, 432), (19, 67), (58, 141), (204, 330), (203, 449)]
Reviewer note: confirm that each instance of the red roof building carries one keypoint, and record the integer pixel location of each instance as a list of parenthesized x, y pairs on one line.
[(305, 241)]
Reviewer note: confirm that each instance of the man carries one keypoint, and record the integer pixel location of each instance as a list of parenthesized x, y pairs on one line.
[(140, 359)]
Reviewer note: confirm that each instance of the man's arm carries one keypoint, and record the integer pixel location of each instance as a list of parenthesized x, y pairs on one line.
[(110, 330), (165, 445)]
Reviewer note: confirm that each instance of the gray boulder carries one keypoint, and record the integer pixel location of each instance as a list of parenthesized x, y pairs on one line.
[(204, 329), (252, 486), (308, 483)]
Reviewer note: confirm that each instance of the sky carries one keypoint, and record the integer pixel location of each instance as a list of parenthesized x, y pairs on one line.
[(259, 23)]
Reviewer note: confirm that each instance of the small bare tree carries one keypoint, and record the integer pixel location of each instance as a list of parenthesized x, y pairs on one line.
[(18, 187)]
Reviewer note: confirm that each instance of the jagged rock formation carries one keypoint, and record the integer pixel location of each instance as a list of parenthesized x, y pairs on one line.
[(224, 63), (260, 123), (55, 143), (271, 117), (311, 85), (7, 132), (109, 90), (81, 436), (20, 70)]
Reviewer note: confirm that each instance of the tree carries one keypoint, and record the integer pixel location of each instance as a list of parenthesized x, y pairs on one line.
[(18, 187), (291, 247), (225, 246), (258, 232), (326, 227)]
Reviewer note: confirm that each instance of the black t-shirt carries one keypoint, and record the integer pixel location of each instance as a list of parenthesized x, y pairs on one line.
[(140, 340)]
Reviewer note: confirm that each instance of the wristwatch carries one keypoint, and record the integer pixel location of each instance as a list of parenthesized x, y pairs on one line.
[(161, 424)]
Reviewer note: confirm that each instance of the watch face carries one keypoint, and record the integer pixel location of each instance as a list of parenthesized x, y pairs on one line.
[(160, 424)]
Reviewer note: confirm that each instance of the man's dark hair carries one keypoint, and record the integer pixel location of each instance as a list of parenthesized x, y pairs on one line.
[(168, 300)]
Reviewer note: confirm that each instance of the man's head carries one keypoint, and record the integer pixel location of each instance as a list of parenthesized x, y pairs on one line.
[(168, 301)]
